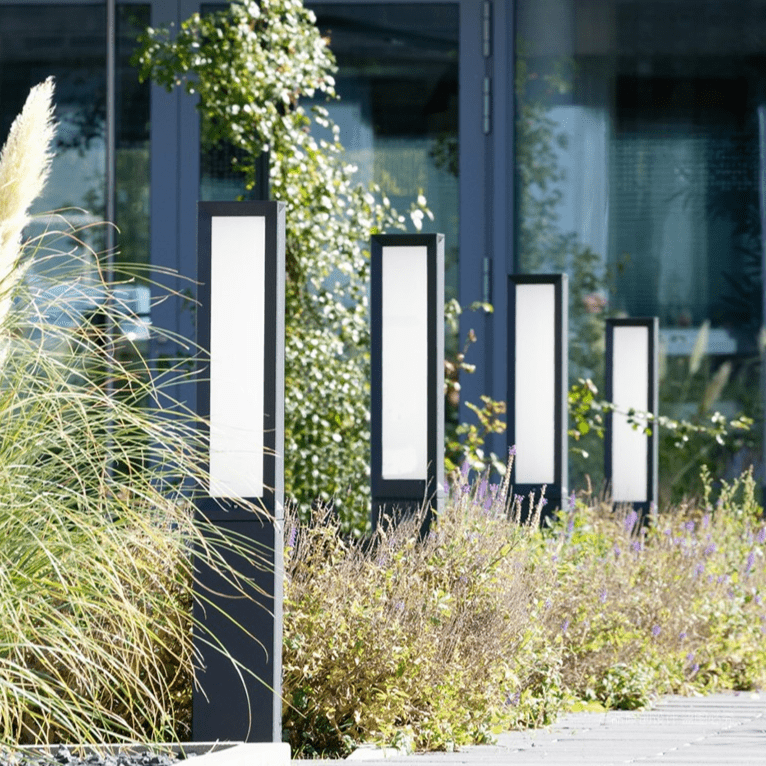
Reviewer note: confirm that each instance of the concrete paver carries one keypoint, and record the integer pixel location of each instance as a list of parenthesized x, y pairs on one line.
[(720, 729)]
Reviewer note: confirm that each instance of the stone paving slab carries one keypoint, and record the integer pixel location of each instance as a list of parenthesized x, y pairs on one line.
[(720, 729)]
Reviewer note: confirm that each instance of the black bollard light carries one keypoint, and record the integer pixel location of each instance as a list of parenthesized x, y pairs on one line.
[(407, 386), (238, 619), (537, 386), (632, 385)]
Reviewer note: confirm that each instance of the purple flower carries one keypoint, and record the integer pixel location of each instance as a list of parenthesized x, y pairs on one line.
[(690, 657), (518, 498), (565, 626), (488, 502), (602, 596), (636, 546), (547, 603), (656, 630), (617, 551), (710, 549), (682, 635), (689, 526), (482, 489), (706, 520), (543, 501), (512, 450), (695, 667), (512, 700), (630, 520), (293, 535), (699, 569), (572, 501), (761, 536), (750, 561)]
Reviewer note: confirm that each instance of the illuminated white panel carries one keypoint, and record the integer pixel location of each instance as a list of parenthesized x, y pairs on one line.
[(405, 362), (535, 376), (237, 291), (630, 390)]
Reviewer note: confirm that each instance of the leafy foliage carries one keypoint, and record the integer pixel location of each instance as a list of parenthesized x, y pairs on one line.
[(465, 441), (251, 65)]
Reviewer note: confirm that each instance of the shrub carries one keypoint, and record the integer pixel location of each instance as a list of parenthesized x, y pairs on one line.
[(489, 624), (422, 632)]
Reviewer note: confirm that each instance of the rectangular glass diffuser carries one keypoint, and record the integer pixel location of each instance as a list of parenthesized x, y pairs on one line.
[(535, 381), (630, 390), (404, 384), (237, 305)]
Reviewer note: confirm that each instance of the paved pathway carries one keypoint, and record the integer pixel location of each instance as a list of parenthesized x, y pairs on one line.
[(720, 729)]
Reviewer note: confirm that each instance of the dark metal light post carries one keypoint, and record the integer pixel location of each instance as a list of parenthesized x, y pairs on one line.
[(407, 387), (537, 385), (240, 320), (632, 384)]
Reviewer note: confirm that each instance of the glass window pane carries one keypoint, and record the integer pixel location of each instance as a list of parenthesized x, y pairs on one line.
[(637, 145), (69, 43), (398, 110)]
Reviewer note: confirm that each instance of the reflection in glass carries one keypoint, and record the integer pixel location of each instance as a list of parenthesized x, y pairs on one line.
[(637, 146), (398, 111), (68, 43)]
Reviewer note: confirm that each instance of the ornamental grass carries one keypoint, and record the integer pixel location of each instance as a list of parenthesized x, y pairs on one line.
[(96, 522)]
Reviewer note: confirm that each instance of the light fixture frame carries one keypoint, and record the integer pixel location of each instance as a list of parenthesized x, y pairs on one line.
[(398, 497), (229, 702), (557, 487), (651, 327)]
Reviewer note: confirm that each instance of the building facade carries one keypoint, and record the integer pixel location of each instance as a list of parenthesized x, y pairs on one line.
[(620, 141)]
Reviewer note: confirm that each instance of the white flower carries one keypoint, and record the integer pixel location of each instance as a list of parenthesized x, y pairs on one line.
[(24, 167)]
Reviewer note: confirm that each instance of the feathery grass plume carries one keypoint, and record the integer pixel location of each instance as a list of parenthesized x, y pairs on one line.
[(25, 163)]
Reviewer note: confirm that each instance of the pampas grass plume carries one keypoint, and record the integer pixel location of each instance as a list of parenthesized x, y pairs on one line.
[(25, 163)]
